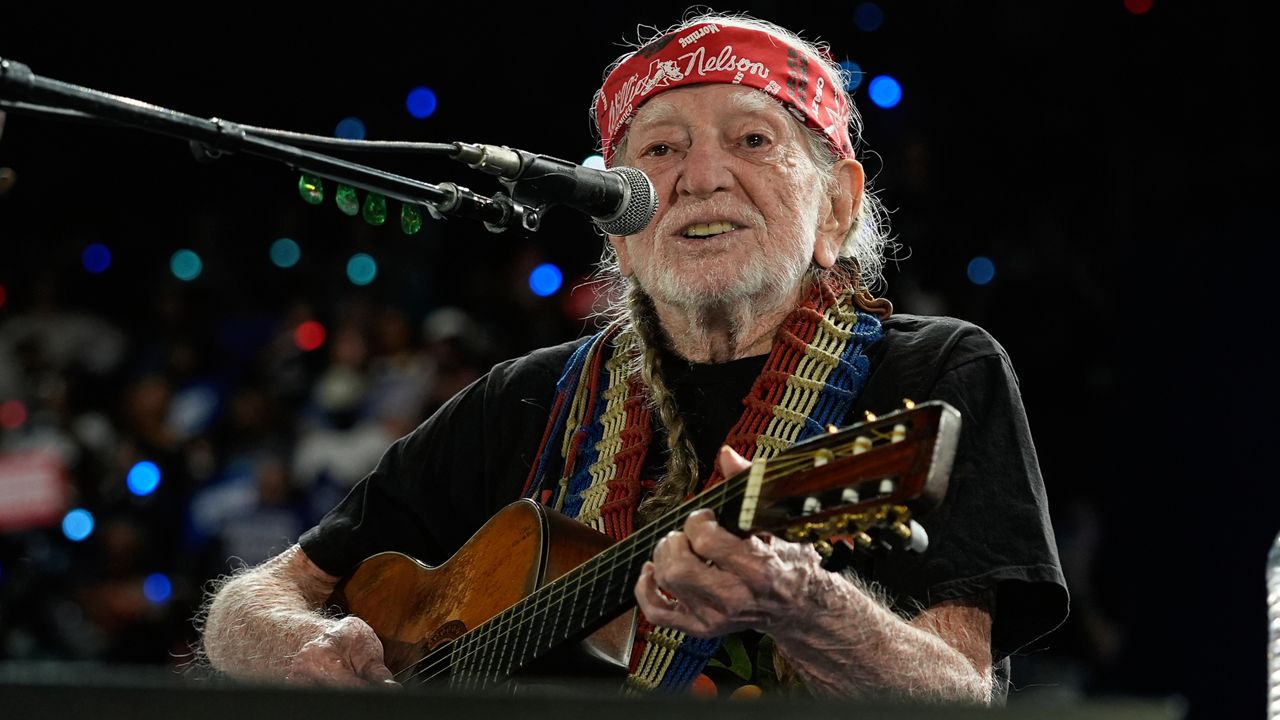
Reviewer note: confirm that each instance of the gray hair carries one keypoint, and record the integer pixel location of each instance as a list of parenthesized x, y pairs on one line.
[(868, 237)]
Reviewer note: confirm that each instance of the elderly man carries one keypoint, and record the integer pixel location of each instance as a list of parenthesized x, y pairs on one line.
[(761, 253)]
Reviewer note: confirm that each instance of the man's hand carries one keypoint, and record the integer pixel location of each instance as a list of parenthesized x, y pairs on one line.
[(348, 654), (707, 582)]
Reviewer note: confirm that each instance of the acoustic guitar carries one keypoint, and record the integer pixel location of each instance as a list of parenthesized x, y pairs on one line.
[(532, 587)]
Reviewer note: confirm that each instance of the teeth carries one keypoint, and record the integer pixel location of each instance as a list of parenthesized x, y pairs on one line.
[(709, 229)]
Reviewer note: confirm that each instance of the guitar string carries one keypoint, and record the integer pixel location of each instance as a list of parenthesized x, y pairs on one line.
[(551, 595), (477, 641), (575, 581), (505, 623)]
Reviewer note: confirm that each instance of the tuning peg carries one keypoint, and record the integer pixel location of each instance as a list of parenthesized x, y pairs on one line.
[(899, 433), (861, 444), (822, 457), (919, 540), (908, 403), (887, 486), (812, 505), (849, 496)]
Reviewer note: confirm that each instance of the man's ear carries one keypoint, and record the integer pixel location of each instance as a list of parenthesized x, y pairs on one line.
[(840, 211), (619, 244)]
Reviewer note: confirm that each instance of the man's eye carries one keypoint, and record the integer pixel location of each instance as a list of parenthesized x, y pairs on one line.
[(658, 150), (755, 140)]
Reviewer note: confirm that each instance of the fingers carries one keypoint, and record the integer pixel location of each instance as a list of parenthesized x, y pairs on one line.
[(348, 654), (667, 610), (722, 549), (729, 462)]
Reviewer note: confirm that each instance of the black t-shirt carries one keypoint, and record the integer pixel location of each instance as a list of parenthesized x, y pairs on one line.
[(435, 487)]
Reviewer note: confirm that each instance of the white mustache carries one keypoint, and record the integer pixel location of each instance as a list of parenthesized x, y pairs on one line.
[(680, 217)]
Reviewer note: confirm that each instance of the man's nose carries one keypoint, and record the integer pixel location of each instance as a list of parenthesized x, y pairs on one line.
[(705, 170)]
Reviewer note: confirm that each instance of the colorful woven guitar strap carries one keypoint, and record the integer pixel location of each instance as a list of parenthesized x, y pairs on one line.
[(591, 460)]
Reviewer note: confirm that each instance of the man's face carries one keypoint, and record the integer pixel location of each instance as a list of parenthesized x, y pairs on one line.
[(742, 209)]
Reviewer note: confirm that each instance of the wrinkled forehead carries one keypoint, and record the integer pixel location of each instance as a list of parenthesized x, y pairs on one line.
[(724, 101)]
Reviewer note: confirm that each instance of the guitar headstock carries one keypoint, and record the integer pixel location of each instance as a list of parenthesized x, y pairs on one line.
[(860, 484)]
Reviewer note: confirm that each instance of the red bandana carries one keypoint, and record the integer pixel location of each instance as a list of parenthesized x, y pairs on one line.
[(716, 53)]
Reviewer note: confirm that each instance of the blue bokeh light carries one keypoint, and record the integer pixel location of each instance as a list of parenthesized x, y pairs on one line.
[(594, 161), (421, 102), (350, 128), (362, 269), (885, 91), (186, 265), (981, 270), (96, 258), (545, 280), (157, 588), (77, 524), (868, 17), (285, 253), (854, 78), (144, 478)]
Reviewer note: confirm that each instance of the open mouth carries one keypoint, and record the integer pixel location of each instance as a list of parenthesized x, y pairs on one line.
[(706, 230)]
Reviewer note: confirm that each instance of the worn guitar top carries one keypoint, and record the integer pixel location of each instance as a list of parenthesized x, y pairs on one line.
[(435, 487)]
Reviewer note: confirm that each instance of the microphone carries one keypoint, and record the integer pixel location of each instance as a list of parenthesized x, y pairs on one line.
[(620, 200)]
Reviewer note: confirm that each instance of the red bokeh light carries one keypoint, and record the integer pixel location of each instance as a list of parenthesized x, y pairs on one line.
[(309, 335), (12, 414), (3, 296), (1137, 7)]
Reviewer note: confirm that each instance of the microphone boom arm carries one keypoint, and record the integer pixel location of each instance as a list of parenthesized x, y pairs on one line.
[(211, 138)]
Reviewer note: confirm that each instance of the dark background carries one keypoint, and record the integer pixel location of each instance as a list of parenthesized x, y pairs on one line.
[(1117, 168)]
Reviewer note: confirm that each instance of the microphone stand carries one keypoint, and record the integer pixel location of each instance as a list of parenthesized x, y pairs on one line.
[(214, 137)]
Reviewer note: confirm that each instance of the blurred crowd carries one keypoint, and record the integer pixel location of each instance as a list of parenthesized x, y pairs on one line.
[(249, 452)]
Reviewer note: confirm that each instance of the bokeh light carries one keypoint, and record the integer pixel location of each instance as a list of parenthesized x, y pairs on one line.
[(885, 91), (157, 588), (981, 270), (77, 524), (285, 253), (96, 258), (350, 128), (545, 280), (309, 336), (12, 414), (362, 269), (594, 161), (868, 17), (144, 478), (421, 102), (186, 265), (854, 77), (1138, 7)]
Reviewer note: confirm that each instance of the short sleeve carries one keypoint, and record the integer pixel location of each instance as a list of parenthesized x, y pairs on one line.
[(992, 533)]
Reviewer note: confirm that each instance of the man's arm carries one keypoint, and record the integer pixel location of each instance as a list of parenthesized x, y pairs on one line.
[(708, 582), (860, 647), (265, 623)]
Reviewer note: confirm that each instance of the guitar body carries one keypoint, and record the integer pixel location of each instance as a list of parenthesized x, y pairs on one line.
[(415, 608)]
